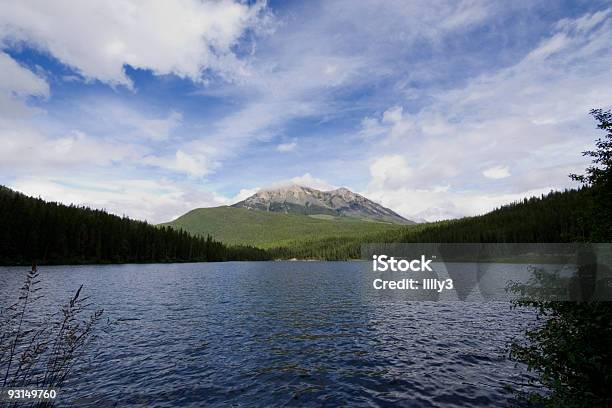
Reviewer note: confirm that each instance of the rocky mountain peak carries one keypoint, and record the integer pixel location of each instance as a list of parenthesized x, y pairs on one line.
[(296, 199)]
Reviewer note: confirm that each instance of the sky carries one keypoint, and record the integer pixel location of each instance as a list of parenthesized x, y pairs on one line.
[(436, 109)]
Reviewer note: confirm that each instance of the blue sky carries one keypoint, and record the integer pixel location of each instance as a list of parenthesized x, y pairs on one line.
[(436, 109)]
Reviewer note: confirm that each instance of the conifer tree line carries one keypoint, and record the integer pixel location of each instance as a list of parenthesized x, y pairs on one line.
[(559, 216), (32, 230), (35, 231)]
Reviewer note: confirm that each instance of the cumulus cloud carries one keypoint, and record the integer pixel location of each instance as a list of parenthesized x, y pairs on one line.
[(443, 143), (26, 149), (16, 84), (98, 39)]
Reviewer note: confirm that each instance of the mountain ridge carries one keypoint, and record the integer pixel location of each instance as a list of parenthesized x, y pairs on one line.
[(296, 199), (267, 229)]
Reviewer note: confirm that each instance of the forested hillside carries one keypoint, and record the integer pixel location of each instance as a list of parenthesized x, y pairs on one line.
[(560, 216), (33, 230), (266, 229)]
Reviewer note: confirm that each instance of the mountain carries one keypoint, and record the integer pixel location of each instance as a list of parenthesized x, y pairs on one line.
[(308, 201), (284, 216), (266, 229)]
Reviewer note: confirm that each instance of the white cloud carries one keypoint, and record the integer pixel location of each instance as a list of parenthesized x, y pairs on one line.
[(287, 147), (439, 203), (182, 37), (330, 69), (186, 38), (16, 84), (585, 22), (399, 23), (371, 128), (276, 93), (391, 171), (19, 80), (132, 124), (549, 47), (27, 149), (307, 180), (393, 115), (497, 172), (243, 194), (303, 65), (194, 165), (155, 201), (532, 115), (24, 150), (190, 164)]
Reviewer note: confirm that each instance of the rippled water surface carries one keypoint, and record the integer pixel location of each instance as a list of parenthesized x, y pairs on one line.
[(278, 333)]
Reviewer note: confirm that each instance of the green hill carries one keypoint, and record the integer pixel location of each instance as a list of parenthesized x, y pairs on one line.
[(560, 216), (268, 229)]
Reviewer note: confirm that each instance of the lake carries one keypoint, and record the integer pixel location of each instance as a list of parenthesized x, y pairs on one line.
[(279, 333)]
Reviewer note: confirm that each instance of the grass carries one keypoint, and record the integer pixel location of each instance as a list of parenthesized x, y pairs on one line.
[(38, 351), (267, 229)]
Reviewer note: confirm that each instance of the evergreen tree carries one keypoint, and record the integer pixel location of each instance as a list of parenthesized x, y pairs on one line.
[(572, 350), (33, 230)]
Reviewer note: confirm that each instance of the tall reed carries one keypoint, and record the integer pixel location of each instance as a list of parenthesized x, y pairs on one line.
[(39, 351)]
